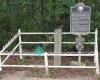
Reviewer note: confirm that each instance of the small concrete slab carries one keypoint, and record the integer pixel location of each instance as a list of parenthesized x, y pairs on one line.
[(76, 63)]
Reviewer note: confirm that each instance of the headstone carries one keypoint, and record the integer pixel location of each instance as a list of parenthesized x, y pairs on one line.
[(80, 18)]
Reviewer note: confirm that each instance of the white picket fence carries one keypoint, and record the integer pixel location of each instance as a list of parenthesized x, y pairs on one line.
[(46, 66)]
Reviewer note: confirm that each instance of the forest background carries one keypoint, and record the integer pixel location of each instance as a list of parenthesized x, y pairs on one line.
[(42, 16)]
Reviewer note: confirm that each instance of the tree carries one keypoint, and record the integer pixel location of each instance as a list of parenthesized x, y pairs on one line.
[(40, 15)]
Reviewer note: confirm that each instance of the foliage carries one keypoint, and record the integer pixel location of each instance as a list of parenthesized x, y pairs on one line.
[(40, 15)]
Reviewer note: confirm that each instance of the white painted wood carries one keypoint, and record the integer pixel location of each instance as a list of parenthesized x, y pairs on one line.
[(39, 66), (10, 54), (37, 42), (32, 33), (20, 45), (0, 62), (35, 33), (74, 33), (46, 62), (10, 42), (96, 52), (75, 42), (51, 66), (53, 42), (25, 54), (79, 57)]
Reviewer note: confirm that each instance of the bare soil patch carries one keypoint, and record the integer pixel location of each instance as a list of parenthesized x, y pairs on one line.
[(39, 74)]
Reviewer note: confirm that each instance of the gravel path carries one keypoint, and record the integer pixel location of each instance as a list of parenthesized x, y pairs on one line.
[(20, 75)]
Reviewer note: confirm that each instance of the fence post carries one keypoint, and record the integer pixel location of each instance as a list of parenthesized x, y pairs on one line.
[(79, 57), (0, 62), (57, 46), (46, 62), (96, 52), (20, 46)]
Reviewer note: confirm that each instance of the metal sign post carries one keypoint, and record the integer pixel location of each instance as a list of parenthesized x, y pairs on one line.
[(80, 23), (79, 46)]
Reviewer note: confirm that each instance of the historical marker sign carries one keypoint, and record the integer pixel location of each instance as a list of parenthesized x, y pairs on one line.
[(80, 18)]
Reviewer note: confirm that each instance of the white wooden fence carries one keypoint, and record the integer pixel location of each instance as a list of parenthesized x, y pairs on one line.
[(46, 66)]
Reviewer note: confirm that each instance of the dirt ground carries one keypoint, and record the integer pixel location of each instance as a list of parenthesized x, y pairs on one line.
[(66, 75), (39, 74)]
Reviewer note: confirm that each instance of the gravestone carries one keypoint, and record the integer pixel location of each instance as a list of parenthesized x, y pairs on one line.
[(80, 18)]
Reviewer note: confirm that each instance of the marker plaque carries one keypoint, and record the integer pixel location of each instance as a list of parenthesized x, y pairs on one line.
[(80, 18)]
